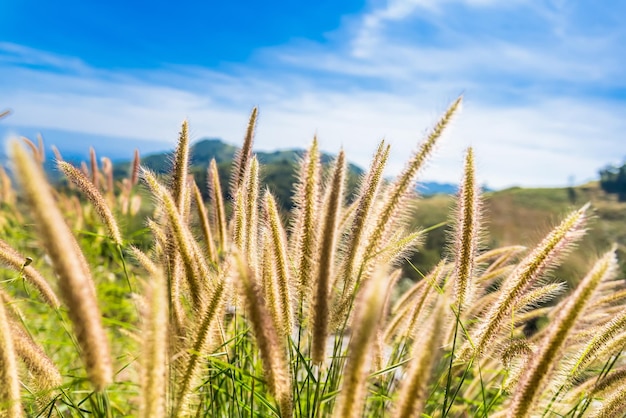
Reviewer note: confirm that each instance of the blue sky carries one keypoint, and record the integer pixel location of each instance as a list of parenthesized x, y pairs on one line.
[(544, 81)]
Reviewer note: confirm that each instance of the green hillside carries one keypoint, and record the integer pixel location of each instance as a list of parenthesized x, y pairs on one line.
[(523, 216), (278, 167)]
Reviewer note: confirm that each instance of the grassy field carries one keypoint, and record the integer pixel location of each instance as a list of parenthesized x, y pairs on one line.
[(522, 216), (140, 298)]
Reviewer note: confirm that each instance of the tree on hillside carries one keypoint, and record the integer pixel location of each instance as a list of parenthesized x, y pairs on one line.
[(613, 180)]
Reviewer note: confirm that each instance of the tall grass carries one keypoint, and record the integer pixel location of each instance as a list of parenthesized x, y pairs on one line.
[(237, 309)]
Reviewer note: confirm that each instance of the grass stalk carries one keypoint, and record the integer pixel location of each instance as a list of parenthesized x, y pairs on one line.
[(330, 220)]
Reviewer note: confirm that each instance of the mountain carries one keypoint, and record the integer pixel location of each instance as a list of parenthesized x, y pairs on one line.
[(278, 168), (202, 151)]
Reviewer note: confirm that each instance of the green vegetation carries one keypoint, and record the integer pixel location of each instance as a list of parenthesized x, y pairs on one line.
[(121, 299), (613, 180)]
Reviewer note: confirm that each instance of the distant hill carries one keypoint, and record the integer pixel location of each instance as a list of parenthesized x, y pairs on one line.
[(202, 151), (278, 168)]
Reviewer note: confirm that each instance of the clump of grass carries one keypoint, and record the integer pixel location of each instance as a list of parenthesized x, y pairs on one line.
[(75, 282), (274, 314)]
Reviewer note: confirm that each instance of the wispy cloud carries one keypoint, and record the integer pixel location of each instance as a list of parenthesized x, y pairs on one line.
[(544, 89)]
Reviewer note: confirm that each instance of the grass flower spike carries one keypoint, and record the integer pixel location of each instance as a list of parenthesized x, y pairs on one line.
[(467, 233), (328, 241), (538, 371), (95, 197), (562, 238)]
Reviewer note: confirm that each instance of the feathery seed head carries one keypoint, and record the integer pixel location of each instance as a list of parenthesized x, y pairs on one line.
[(155, 333), (219, 214), (94, 196), (613, 406), (33, 148), (57, 153), (369, 191), (467, 233), (307, 201), (276, 240), (6, 188), (94, 166), (242, 157), (107, 169), (179, 169), (330, 221), (539, 371), (251, 185), (269, 281), (395, 201), (10, 257), (551, 248), (35, 359), (204, 223), (41, 148)]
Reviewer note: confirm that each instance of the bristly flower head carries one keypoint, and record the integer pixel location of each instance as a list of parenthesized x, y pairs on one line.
[(467, 233)]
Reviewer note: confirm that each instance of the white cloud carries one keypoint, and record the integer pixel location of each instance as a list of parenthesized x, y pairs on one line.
[(524, 114), (23, 55)]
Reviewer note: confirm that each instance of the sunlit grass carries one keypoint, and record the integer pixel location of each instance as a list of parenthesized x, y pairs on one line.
[(259, 313)]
